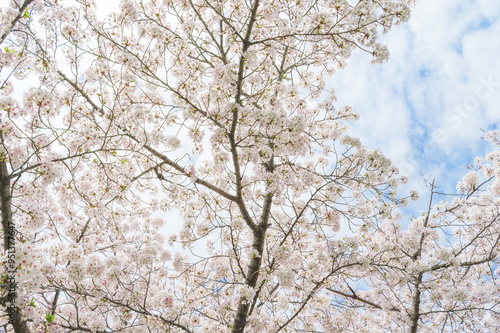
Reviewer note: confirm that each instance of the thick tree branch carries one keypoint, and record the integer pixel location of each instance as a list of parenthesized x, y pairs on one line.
[(259, 231), (357, 298), (179, 168), (415, 308), (20, 325), (20, 14)]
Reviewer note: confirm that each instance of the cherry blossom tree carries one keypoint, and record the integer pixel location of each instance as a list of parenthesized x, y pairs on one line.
[(41, 152), (219, 110)]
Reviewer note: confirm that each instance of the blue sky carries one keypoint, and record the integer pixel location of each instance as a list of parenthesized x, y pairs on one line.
[(426, 106)]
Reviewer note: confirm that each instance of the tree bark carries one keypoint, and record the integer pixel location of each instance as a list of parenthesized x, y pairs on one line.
[(415, 311), (5, 205), (20, 325), (240, 320)]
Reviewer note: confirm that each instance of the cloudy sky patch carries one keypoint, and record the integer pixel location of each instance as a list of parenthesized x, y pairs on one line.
[(426, 106)]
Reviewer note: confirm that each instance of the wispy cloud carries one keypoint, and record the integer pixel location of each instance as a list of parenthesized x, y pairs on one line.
[(426, 107)]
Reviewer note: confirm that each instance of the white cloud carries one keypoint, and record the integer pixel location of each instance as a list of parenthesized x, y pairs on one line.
[(435, 82)]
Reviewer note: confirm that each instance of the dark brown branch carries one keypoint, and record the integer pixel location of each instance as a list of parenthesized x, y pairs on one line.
[(17, 18), (20, 325), (415, 308), (363, 300), (259, 231), (183, 171)]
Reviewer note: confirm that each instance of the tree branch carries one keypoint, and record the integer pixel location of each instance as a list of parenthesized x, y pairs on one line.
[(14, 21), (357, 298)]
